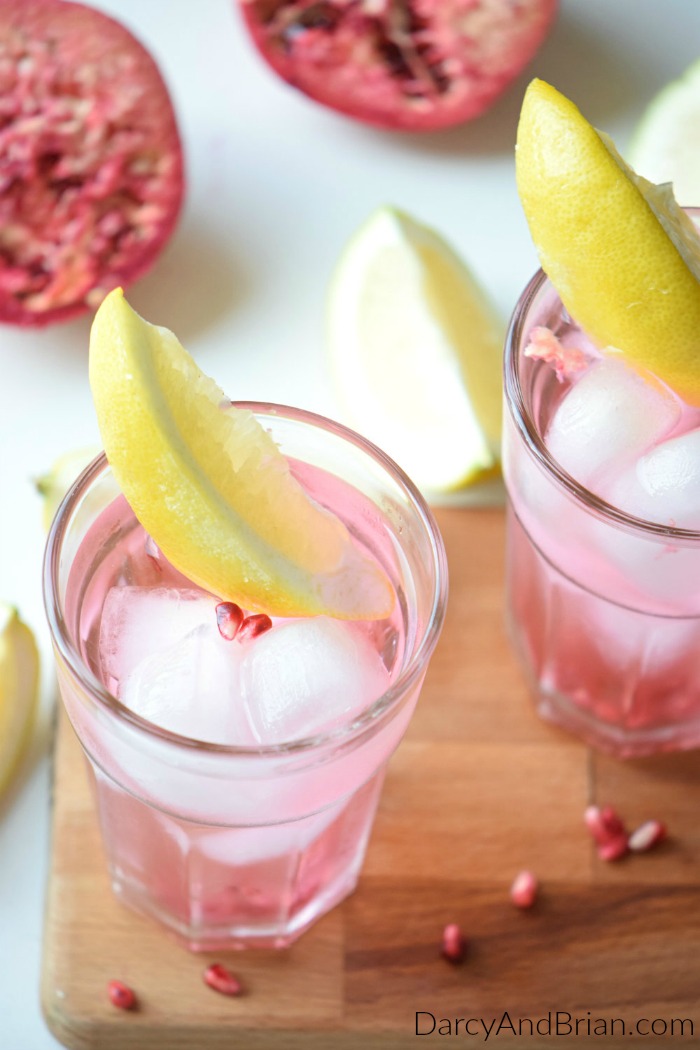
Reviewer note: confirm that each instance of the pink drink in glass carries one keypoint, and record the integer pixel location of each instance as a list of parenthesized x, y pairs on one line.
[(603, 567), (239, 812)]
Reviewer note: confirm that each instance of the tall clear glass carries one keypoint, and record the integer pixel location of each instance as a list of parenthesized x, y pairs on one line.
[(604, 608), (243, 846)]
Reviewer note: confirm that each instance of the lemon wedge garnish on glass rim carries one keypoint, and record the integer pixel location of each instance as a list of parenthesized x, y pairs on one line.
[(665, 146), (19, 690), (415, 350), (624, 258), (210, 485)]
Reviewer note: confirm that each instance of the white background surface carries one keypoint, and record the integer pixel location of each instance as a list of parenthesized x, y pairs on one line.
[(276, 185)]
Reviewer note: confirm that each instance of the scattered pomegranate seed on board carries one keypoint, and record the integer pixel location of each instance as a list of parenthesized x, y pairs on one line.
[(222, 980)]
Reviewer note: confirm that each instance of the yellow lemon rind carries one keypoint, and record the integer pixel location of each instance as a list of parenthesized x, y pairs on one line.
[(19, 692), (211, 487), (620, 255)]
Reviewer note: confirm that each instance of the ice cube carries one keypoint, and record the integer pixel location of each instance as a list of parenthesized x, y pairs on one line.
[(139, 621), (307, 676), (191, 688), (608, 418), (670, 474), (664, 485)]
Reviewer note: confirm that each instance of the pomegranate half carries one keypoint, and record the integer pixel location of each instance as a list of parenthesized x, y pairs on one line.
[(413, 65), (91, 169)]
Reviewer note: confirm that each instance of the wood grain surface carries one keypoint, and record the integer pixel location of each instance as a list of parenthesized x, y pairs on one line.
[(479, 789)]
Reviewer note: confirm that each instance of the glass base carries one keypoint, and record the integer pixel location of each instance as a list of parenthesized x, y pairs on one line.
[(238, 935), (617, 740), (233, 887), (621, 743), (623, 680)]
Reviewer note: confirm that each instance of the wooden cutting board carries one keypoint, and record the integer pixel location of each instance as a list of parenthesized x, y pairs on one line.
[(479, 789)]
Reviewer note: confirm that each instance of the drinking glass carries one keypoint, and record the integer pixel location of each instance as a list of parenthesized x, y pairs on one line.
[(603, 608), (244, 846)]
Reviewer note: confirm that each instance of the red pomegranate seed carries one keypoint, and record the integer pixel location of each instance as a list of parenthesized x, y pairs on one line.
[(222, 980), (604, 823), (614, 848), (608, 831), (594, 823), (121, 995), (254, 625), (647, 835), (612, 822), (454, 944), (523, 892), (229, 618)]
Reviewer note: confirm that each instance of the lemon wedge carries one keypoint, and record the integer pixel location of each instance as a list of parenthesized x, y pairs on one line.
[(53, 485), (665, 146), (624, 258), (415, 350), (210, 485), (19, 690)]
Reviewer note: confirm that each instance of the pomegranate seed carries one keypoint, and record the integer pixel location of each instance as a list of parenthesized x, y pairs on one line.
[(593, 822), (454, 944), (222, 980), (608, 831), (523, 892), (647, 835), (121, 995), (252, 626), (229, 618), (612, 822), (604, 823), (613, 849)]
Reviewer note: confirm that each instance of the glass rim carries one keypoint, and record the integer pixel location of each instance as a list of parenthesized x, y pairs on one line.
[(529, 432), (371, 717)]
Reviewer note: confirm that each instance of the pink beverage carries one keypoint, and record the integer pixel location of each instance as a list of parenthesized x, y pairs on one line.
[(236, 780), (602, 468)]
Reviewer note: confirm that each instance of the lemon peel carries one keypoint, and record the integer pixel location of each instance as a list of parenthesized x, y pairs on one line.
[(19, 691), (415, 352), (624, 258), (211, 486)]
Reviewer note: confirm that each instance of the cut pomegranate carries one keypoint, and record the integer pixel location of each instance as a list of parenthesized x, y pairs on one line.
[(412, 65), (91, 172)]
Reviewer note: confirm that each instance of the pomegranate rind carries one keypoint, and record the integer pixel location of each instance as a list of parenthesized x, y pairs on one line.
[(91, 165), (412, 67)]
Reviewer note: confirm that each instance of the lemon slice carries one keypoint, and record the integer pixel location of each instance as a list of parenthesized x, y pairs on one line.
[(665, 146), (622, 255), (19, 690), (210, 485), (415, 351), (53, 485)]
